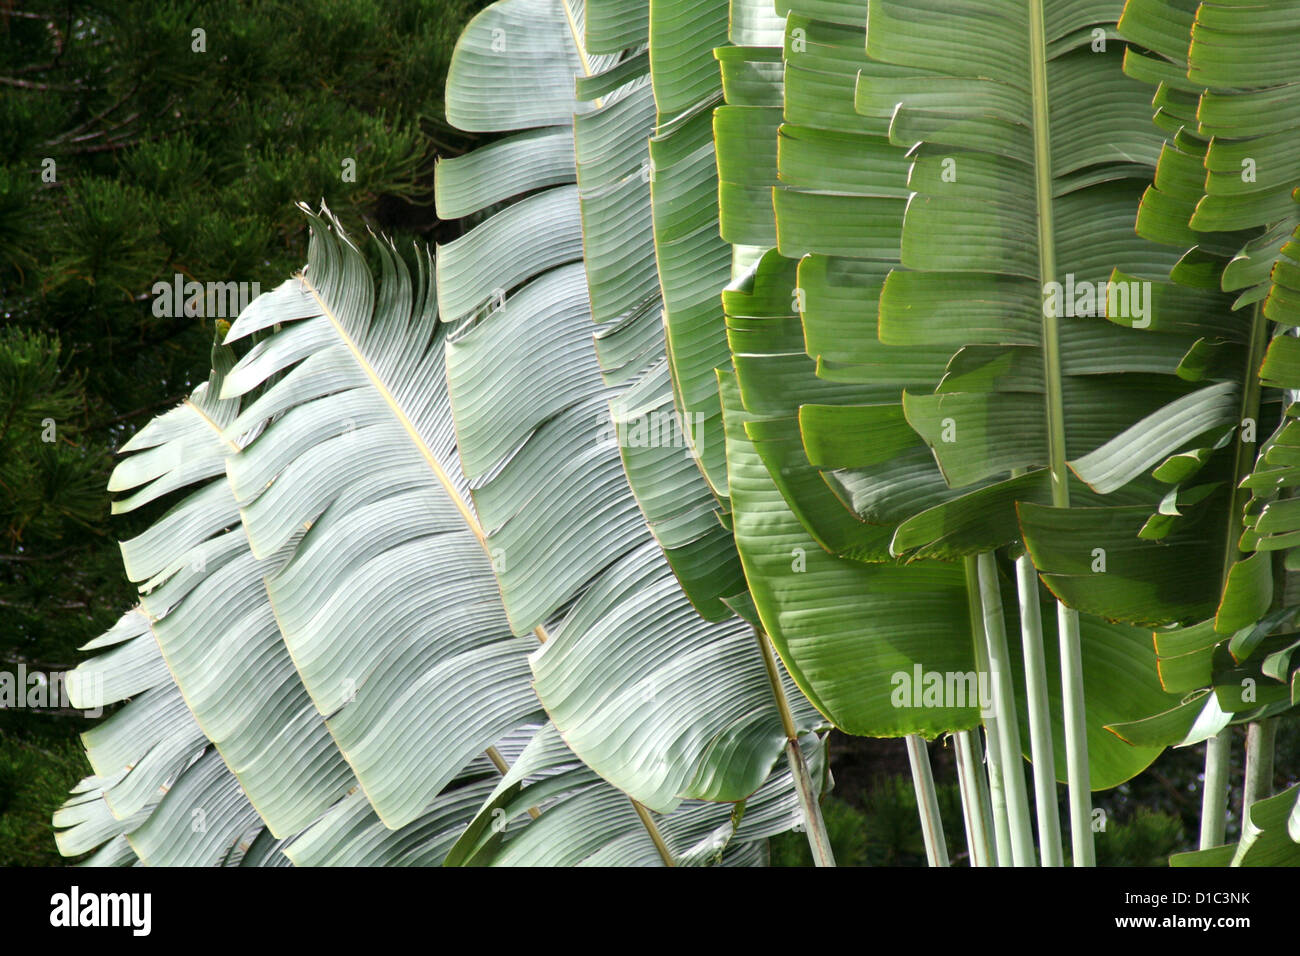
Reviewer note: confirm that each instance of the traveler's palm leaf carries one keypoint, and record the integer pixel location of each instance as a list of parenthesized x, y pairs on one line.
[(410, 670), (586, 822), (658, 701), (1226, 494), (156, 773), (844, 629), (1224, 197)]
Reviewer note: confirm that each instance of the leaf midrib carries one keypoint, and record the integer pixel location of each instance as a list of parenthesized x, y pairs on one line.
[(1047, 253), (471, 520)]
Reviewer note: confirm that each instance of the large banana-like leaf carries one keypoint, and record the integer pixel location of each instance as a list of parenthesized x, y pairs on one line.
[(194, 765), (388, 603), (619, 178), (585, 822), (202, 589), (611, 233), (973, 171), (838, 181), (1226, 490), (1224, 197), (1026, 170), (367, 359), (829, 158), (203, 627), (694, 260), (834, 210), (378, 362), (656, 700), (849, 627), (162, 794), (844, 629)]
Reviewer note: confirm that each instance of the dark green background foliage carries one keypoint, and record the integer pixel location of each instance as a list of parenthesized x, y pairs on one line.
[(37, 768)]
